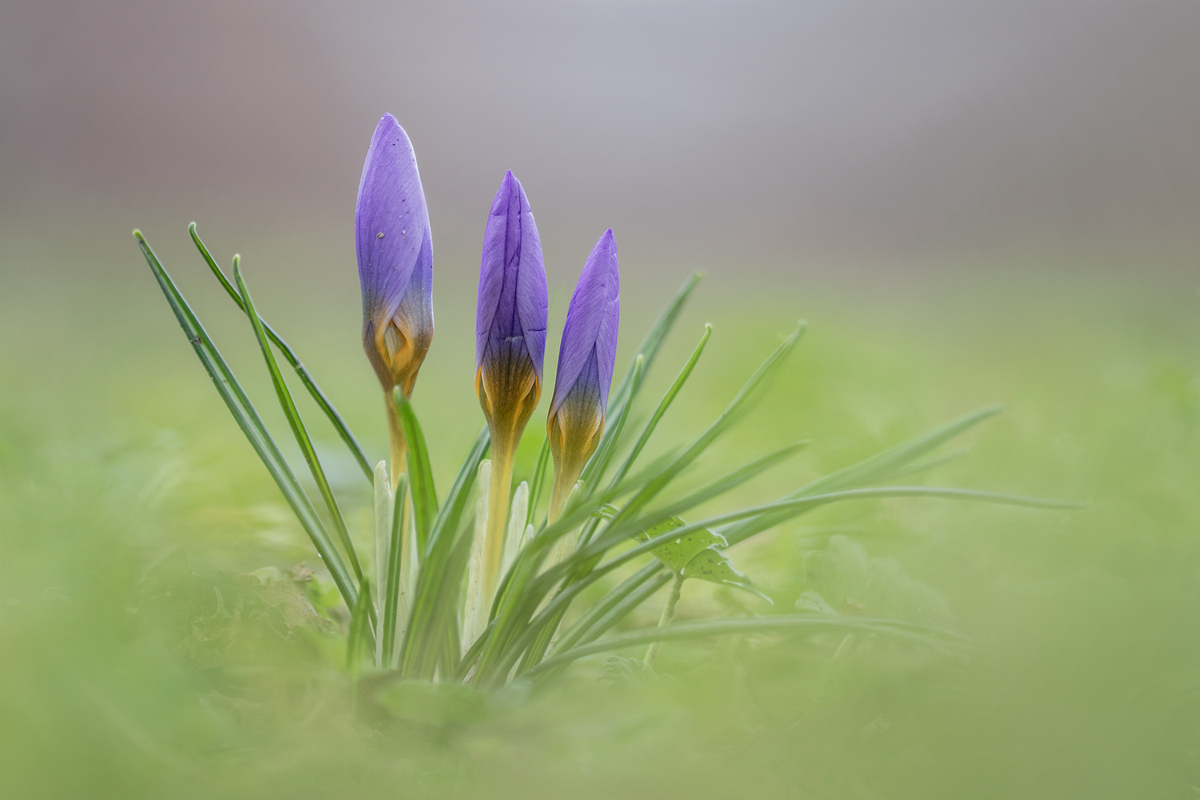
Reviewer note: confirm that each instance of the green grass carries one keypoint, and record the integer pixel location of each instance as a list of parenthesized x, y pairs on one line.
[(139, 657)]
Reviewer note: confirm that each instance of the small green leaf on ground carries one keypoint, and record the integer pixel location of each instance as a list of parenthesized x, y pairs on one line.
[(678, 553), (813, 602), (710, 564)]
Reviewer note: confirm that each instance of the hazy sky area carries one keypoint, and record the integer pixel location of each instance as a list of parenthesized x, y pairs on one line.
[(711, 133)]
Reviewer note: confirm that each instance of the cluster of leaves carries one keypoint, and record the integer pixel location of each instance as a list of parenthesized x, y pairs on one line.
[(618, 517)]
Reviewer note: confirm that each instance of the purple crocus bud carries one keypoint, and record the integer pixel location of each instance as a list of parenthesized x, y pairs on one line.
[(510, 345), (510, 323), (395, 267), (585, 368)]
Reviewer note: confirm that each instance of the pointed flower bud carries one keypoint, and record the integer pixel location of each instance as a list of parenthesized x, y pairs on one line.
[(510, 345), (510, 324), (395, 267), (585, 368)]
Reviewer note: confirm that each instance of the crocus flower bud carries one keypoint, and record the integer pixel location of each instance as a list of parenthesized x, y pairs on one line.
[(395, 268), (585, 369), (510, 344)]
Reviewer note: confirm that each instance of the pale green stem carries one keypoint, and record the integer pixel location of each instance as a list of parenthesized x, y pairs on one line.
[(399, 447), (563, 484), (497, 519), (665, 620)]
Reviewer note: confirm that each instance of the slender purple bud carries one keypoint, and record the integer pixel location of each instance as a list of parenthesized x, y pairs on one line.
[(585, 368), (395, 267), (510, 323), (395, 258), (510, 344)]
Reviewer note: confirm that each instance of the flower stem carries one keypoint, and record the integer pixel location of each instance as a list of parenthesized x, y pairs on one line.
[(497, 518), (399, 447), (563, 484), (665, 620)]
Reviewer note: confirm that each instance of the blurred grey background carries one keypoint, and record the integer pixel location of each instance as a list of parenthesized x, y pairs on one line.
[(754, 138)]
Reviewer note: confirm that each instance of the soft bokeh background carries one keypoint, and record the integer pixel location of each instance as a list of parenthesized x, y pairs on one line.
[(970, 203)]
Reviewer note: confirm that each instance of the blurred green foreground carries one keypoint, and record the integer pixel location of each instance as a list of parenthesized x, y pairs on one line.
[(159, 638)]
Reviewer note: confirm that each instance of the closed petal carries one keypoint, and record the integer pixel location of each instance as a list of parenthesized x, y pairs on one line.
[(591, 326), (513, 302), (391, 223)]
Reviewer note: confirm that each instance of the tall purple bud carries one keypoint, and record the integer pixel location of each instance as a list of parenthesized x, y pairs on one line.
[(395, 269), (510, 345), (585, 369)]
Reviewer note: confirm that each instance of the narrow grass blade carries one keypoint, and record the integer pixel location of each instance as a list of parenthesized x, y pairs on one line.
[(727, 417), (707, 492), (516, 603), (460, 491), (648, 349), (782, 623), (626, 392), (384, 509), (932, 462), (871, 470), (390, 601), (663, 405), (289, 355), (589, 555), (424, 496), (360, 626), (297, 425), (440, 593), (792, 508), (538, 480), (787, 508), (471, 656), (521, 591), (252, 426), (622, 608), (606, 603), (599, 461), (882, 465), (437, 596)]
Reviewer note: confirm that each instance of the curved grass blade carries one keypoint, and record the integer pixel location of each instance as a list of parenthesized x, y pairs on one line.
[(648, 349), (252, 426), (297, 425), (589, 554), (870, 470), (714, 489), (614, 612), (782, 623), (601, 607), (538, 480), (460, 491), (472, 655), (424, 496), (360, 626), (663, 405), (434, 605), (789, 507), (440, 592), (604, 452), (626, 392), (727, 417), (507, 644), (521, 591), (290, 356), (390, 601), (800, 505), (933, 462)]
